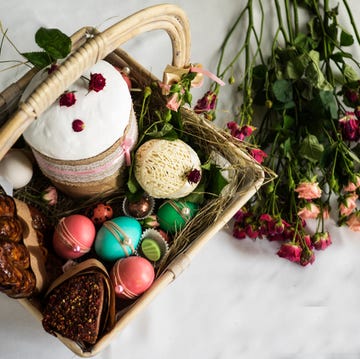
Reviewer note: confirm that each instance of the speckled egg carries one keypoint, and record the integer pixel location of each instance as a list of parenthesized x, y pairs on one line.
[(100, 213), (173, 215), (16, 168), (73, 236), (118, 238), (131, 277)]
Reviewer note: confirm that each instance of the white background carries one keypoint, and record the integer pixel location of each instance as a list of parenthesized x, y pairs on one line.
[(237, 299)]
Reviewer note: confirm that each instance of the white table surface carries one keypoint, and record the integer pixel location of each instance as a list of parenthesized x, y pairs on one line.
[(237, 299)]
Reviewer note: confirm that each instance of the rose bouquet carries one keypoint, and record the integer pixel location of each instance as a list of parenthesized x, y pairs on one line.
[(307, 95)]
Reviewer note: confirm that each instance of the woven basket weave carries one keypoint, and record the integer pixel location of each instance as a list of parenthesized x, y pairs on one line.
[(89, 46)]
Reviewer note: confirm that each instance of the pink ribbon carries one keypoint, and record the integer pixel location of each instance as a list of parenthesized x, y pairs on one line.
[(208, 74)]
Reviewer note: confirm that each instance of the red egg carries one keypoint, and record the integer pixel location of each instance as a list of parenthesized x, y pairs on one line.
[(73, 236), (100, 213), (132, 276)]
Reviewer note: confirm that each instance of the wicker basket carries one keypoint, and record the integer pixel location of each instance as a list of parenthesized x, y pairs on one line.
[(89, 47)]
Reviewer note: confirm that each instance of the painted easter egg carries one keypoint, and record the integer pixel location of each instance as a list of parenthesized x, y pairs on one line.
[(132, 276), (73, 236), (118, 238), (173, 215), (99, 213)]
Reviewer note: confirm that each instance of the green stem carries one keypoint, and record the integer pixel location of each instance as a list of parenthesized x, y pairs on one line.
[(289, 21), (352, 21)]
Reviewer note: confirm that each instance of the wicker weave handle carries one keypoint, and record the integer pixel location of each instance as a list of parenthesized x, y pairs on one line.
[(167, 17)]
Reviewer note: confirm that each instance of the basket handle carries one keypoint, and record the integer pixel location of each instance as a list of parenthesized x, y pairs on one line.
[(167, 17)]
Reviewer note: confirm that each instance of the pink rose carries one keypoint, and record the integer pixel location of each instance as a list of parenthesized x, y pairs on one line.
[(206, 103), (97, 82), (174, 102), (239, 231), (349, 125), (50, 196), (353, 186), (348, 205), (290, 251), (308, 190), (321, 240), (354, 222), (310, 211), (258, 155)]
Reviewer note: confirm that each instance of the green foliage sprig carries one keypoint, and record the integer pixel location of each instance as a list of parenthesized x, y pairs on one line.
[(306, 96)]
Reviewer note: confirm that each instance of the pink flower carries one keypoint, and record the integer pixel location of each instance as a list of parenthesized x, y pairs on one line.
[(321, 240), (239, 132), (308, 190), (239, 231), (258, 155), (354, 221), (67, 99), (353, 186), (348, 204), (174, 102), (307, 257), (206, 103), (97, 82), (50, 196), (150, 221), (310, 211), (325, 213), (290, 251), (349, 125)]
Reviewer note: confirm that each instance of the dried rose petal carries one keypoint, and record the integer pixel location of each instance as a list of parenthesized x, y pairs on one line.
[(78, 125), (194, 176), (97, 82), (67, 99)]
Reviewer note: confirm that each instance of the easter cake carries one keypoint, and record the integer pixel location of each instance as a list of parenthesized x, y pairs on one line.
[(83, 140)]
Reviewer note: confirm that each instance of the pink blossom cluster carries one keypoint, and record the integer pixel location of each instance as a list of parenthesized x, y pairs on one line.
[(241, 133), (348, 208), (296, 245)]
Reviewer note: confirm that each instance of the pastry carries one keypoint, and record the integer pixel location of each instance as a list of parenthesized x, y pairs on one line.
[(83, 140)]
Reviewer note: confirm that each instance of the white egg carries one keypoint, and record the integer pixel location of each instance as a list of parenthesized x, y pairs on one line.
[(16, 168)]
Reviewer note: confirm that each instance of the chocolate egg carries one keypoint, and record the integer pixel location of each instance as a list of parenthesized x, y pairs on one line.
[(131, 277), (73, 236), (118, 238), (100, 213), (139, 209), (173, 215)]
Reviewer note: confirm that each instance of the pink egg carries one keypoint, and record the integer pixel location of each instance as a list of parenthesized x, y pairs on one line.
[(73, 237), (132, 276)]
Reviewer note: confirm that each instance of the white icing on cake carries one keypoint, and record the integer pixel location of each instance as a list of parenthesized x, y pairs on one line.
[(105, 115)]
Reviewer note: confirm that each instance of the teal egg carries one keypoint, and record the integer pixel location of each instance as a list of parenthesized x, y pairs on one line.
[(118, 238), (173, 215)]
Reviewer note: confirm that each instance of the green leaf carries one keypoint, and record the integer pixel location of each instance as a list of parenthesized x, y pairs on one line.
[(197, 195), (288, 122), (54, 42), (346, 39), (314, 74), (287, 148), (217, 181), (349, 73), (283, 90), (329, 103), (39, 59), (311, 149)]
